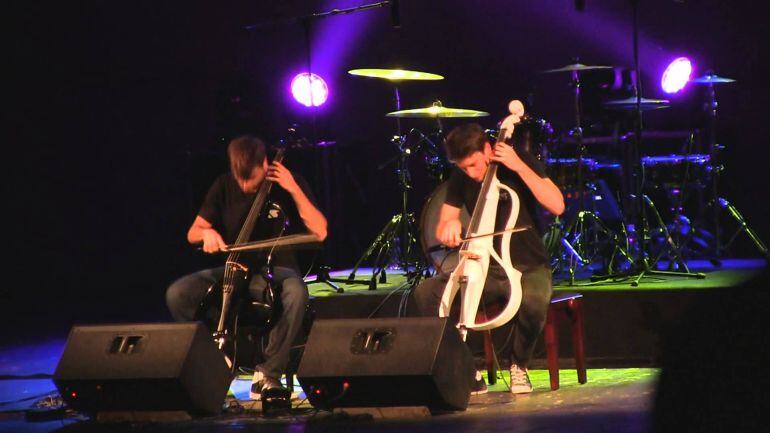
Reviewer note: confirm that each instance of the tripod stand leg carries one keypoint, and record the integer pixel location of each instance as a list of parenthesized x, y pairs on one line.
[(676, 254), (377, 243), (743, 227)]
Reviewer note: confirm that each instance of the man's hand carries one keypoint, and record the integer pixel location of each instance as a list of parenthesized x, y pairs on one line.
[(505, 155), (212, 241), (450, 233), (281, 175)]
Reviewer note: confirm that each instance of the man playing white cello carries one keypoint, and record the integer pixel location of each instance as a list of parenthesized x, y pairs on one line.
[(472, 153)]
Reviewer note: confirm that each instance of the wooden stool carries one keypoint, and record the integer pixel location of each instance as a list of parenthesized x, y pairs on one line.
[(563, 305), (489, 352), (567, 306)]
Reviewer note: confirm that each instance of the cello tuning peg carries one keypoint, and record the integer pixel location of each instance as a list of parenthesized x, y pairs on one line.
[(516, 108)]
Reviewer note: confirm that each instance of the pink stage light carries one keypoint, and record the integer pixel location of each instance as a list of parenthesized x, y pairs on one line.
[(676, 75), (309, 89)]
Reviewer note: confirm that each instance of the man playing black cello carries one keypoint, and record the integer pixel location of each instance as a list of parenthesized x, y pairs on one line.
[(219, 222), (470, 150)]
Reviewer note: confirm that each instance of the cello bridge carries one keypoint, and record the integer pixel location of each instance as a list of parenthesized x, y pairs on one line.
[(237, 266)]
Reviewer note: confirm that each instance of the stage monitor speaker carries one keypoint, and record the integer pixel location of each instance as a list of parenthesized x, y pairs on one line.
[(386, 362), (143, 367)]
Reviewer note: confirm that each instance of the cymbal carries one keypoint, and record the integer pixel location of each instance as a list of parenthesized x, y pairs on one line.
[(712, 78), (438, 110), (395, 74), (629, 104), (577, 67)]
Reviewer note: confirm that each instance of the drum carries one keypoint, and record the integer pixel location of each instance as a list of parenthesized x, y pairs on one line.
[(564, 171), (443, 260), (531, 135), (676, 169)]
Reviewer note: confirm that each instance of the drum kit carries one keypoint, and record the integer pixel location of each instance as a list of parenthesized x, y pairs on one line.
[(588, 237)]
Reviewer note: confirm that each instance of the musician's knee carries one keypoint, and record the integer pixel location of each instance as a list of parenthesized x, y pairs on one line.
[(179, 302), (294, 293), (536, 294), (427, 295)]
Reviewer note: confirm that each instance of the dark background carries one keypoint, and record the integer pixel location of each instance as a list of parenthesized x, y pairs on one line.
[(117, 115)]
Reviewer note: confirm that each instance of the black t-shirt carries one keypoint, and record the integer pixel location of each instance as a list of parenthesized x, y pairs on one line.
[(527, 248), (226, 207)]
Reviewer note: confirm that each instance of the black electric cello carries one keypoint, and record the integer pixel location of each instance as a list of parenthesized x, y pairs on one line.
[(237, 275)]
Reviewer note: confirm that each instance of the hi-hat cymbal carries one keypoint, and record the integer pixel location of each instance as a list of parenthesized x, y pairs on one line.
[(577, 67), (438, 110), (712, 78), (395, 74), (629, 104)]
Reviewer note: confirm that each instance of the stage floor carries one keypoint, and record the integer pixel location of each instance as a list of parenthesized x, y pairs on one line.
[(624, 327), (731, 273), (617, 400)]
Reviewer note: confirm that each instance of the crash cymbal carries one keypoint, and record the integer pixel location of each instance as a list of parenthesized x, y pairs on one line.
[(438, 110), (712, 79), (629, 104), (395, 74), (577, 67)]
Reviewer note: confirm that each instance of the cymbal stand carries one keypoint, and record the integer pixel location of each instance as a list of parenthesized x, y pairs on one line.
[(399, 237), (576, 244), (718, 203)]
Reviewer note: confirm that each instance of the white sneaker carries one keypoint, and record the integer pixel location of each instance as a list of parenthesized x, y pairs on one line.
[(520, 383), (257, 383)]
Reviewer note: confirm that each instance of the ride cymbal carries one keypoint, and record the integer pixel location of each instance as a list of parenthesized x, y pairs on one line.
[(395, 74), (712, 79), (576, 67), (438, 110), (629, 104)]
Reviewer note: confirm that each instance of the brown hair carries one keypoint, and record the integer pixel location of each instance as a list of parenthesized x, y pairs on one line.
[(245, 153), (463, 140)]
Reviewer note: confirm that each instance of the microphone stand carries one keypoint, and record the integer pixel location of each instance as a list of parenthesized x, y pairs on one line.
[(306, 21), (641, 267)]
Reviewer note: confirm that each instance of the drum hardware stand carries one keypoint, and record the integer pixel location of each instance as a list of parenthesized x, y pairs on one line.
[(642, 266), (675, 253), (574, 251), (322, 276), (718, 203), (742, 227), (401, 227), (672, 235), (577, 249)]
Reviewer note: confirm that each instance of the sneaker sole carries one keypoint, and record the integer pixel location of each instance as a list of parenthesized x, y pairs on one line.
[(521, 391)]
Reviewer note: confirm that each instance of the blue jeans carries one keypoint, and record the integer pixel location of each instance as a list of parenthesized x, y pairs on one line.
[(185, 295), (536, 290)]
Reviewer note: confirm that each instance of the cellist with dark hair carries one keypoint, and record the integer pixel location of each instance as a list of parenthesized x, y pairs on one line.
[(523, 186), (221, 220)]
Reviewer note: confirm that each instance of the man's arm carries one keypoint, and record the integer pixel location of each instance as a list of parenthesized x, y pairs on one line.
[(202, 231), (545, 191), (313, 219), (449, 228)]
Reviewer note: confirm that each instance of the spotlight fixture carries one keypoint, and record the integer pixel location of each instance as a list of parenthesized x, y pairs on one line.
[(676, 75), (309, 89)]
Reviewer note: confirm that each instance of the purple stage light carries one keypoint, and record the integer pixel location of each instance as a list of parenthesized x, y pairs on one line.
[(309, 89), (676, 75)]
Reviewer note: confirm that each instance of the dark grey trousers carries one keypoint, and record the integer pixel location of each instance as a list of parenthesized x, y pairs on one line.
[(184, 296), (536, 290)]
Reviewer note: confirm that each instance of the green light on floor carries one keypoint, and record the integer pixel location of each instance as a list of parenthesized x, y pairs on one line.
[(599, 377)]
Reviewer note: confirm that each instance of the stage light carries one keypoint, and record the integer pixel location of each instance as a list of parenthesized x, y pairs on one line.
[(676, 75), (309, 89)]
